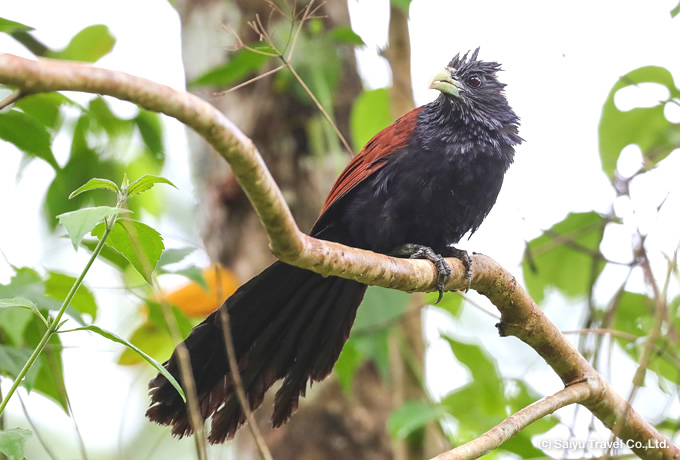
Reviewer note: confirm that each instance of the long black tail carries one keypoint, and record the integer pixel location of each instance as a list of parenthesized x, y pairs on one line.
[(287, 323)]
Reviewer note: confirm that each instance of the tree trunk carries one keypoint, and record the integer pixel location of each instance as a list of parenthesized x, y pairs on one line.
[(329, 423)]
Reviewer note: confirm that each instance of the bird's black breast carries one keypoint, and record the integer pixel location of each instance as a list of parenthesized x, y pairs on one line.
[(423, 198), (431, 192)]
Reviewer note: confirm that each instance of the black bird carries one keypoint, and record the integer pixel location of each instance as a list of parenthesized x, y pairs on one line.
[(414, 190)]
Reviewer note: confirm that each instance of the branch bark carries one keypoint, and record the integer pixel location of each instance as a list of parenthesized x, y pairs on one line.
[(517, 422), (520, 316)]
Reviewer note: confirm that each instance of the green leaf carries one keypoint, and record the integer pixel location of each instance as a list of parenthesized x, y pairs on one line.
[(193, 273), (372, 112), (151, 130), (521, 445), (411, 416), (88, 45), (174, 255), (140, 244), (520, 395), (80, 222), (83, 164), (315, 26), (525, 397), (155, 342), (44, 107), (555, 260), (157, 318), (147, 163), (58, 286), (633, 316), (347, 365), (13, 359), (675, 10), (374, 347), (28, 284), (25, 283), (144, 183), (114, 338), (483, 369), (469, 406), (9, 27), (108, 254), (13, 322), (452, 302), (380, 308), (20, 302), (401, 4), (318, 62), (48, 369), (106, 121), (646, 127), (472, 356), (242, 63), (13, 442), (27, 135), (94, 184), (345, 34)]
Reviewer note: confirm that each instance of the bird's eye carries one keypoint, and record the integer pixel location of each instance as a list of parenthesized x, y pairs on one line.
[(474, 82)]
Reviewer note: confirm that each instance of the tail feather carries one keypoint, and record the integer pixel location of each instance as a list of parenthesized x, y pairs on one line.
[(335, 332), (286, 323), (306, 345), (260, 369)]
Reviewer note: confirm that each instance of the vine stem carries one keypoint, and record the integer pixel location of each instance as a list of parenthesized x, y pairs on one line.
[(54, 325)]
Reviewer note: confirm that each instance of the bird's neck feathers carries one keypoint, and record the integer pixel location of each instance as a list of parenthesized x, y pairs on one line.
[(454, 121)]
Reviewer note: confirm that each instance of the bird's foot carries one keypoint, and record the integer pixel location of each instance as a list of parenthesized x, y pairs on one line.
[(418, 251), (464, 257)]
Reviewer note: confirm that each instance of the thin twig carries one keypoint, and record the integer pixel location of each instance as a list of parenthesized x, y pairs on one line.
[(515, 423), (307, 14), (185, 370), (264, 36), (626, 336), (183, 356), (477, 305), (79, 436), (659, 316), (262, 448), (36, 432), (319, 106), (252, 80)]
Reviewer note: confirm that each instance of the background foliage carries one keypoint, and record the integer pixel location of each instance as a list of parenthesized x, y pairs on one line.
[(627, 306)]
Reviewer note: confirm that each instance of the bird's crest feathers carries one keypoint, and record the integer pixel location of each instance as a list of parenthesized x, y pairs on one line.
[(464, 65)]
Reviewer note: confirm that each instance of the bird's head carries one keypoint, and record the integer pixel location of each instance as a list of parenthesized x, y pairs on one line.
[(472, 86)]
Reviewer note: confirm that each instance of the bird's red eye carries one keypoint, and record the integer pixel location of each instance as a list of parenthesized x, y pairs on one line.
[(474, 82)]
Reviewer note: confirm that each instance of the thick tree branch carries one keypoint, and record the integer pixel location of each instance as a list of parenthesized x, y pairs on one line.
[(517, 422), (519, 314)]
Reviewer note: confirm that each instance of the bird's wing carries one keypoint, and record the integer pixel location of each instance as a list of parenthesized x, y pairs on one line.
[(372, 156)]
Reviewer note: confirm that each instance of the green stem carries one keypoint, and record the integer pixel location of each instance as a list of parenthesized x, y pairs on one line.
[(54, 325)]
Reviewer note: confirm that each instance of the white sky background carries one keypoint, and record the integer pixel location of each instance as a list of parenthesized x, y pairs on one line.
[(560, 61)]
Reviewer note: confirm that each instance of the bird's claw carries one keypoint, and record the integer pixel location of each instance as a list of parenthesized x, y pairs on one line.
[(465, 258), (417, 251)]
